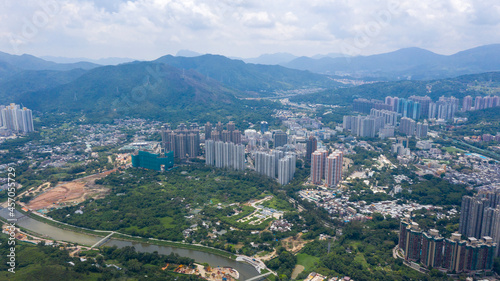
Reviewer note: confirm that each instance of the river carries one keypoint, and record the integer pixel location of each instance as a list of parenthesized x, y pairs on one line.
[(51, 232)]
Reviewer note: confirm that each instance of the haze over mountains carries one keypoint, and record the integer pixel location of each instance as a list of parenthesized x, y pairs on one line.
[(409, 63), (205, 82)]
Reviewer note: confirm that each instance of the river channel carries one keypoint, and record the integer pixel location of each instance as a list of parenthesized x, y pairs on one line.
[(51, 232)]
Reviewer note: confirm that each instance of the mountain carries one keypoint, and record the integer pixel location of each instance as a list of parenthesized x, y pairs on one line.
[(459, 87), (102, 61), (34, 80), (409, 63), (272, 59), (29, 62), (139, 89), (256, 78)]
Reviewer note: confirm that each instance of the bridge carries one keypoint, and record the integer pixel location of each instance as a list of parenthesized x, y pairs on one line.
[(103, 240), (259, 277)]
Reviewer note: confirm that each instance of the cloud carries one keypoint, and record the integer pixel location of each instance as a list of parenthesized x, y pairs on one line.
[(245, 28)]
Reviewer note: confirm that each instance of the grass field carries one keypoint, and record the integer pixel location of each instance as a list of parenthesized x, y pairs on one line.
[(452, 149), (307, 261), (278, 204)]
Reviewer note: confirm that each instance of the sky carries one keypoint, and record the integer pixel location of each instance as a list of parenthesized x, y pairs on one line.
[(148, 29)]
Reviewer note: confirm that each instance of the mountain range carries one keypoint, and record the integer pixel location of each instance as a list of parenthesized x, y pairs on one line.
[(209, 85), (405, 64)]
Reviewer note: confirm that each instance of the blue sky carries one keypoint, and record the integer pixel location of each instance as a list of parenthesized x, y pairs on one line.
[(147, 29)]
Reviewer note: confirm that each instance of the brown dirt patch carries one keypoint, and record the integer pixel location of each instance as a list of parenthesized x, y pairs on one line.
[(69, 193)]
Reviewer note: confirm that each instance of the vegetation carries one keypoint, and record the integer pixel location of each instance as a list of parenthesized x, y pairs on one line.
[(49, 263), (435, 191), (363, 252), (153, 204)]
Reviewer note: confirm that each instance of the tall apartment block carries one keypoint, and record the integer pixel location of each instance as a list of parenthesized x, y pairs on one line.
[(486, 102), (225, 155), (16, 119), (364, 105), (333, 169), (280, 138), (311, 146), (445, 108), (364, 126), (480, 216), (421, 130), (424, 102), (327, 167), (183, 142), (276, 164), (286, 168), (407, 126)]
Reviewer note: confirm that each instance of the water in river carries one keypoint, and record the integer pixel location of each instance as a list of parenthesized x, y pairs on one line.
[(51, 232)]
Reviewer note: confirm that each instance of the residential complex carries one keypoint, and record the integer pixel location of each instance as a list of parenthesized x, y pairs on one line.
[(13, 118), (326, 167), (451, 255)]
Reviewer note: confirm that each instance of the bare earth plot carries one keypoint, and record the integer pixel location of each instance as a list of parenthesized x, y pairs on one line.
[(69, 193)]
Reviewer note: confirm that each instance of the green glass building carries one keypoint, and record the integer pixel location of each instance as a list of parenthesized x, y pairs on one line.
[(151, 161)]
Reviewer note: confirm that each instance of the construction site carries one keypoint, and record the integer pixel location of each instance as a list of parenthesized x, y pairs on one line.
[(67, 193)]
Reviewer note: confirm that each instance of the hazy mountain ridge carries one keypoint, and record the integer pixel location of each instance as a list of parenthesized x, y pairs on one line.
[(31, 80), (249, 77), (408, 63), (29, 62)]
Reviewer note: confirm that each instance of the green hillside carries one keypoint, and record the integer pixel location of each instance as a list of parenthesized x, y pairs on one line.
[(257, 78), (142, 89)]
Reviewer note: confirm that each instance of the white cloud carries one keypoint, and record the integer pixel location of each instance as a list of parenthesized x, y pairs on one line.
[(151, 28)]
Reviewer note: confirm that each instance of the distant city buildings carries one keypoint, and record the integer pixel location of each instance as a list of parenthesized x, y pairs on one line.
[(484, 102), (451, 255), (326, 167), (445, 108), (364, 105), (13, 118)]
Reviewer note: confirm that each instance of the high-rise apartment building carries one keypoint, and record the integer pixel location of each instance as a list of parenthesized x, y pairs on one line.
[(280, 138), (184, 143), (452, 255), (421, 130), (208, 131), (225, 155), (424, 102), (311, 146), (286, 168), (333, 169), (407, 126), (467, 103), (327, 167), (16, 119), (364, 105), (480, 216)]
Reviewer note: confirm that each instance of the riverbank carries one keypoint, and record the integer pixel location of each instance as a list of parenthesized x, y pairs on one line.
[(126, 237)]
